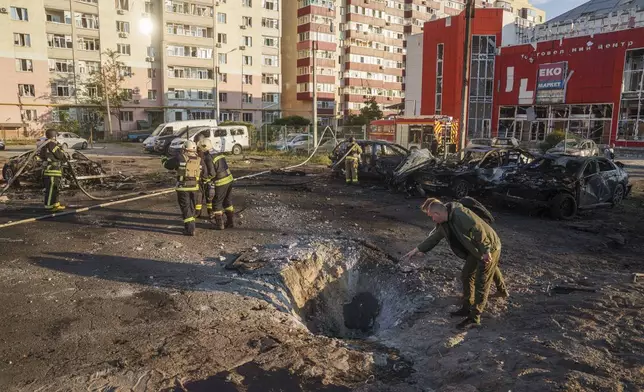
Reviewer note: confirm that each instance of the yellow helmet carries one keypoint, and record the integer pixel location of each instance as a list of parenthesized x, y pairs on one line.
[(189, 145), (204, 144)]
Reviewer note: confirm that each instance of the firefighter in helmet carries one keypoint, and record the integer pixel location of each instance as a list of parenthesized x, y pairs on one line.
[(351, 161), (52, 154), (204, 145), (223, 182), (188, 167)]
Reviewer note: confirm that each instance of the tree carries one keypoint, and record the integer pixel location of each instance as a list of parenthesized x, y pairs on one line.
[(65, 123), (371, 111), (104, 87), (296, 121), (355, 120)]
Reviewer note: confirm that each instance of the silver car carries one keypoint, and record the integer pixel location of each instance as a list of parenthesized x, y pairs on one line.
[(580, 148)]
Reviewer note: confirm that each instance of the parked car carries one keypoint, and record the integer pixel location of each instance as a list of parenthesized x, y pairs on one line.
[(70, 140), (282, 142), (172, 128), (481, 169), (583, 148), (565, 184), (2, 145), (230, 138), (494, 142), (138, 136), (379, 159)]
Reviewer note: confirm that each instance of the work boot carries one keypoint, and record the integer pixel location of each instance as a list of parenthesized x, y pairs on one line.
[(56, 208), (230, 219), (218, 221), (189, 229), (500, 294), (462, 312), (469, 322)]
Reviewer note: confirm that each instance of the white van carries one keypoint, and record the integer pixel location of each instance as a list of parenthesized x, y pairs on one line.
[(172, 128), (229, 138)]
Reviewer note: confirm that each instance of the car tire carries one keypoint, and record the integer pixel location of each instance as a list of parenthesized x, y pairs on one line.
[(237, 149), (563, 206), (461, 188), (84, 146), (618, 195), (8, 172)]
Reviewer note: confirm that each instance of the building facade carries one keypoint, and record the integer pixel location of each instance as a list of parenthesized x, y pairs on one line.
[(589, 84), (179, 57)]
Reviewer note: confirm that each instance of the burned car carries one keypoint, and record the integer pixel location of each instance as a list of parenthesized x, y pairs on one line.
[(32, 173), (565, 184), (481, 169), (378, 160)]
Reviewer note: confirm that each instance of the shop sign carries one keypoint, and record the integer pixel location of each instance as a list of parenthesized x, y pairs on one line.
[(551, 82)]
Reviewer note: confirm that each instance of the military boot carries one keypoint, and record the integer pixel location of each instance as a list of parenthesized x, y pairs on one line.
[(230, 219), (218, 221)]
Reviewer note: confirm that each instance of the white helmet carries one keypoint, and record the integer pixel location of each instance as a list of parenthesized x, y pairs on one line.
[(204, 145), (189, 145)]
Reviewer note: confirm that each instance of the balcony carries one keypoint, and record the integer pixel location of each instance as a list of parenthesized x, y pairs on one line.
[(365, 35)]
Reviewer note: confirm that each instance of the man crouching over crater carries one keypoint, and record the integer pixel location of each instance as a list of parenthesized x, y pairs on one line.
[(472, 239)]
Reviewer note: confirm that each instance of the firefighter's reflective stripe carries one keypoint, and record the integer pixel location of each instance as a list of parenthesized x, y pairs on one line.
[(198, 207), (188, 220), (351, 158), (216, 158), (224, 181), (230, 209), (182, 171), (53, 172), (209, 206), (187, 189)]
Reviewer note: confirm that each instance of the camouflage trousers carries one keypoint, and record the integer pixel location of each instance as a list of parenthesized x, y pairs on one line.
[(477, 279)]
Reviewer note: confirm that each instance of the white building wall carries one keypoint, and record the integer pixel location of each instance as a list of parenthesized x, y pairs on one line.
[(413, 75)]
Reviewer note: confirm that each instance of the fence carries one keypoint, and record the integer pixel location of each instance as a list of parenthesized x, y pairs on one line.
[(299, 139)]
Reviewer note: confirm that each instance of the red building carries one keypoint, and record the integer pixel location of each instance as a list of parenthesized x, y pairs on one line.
[(591, 85)]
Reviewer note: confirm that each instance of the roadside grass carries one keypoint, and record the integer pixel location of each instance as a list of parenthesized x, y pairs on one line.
[(290, 157)]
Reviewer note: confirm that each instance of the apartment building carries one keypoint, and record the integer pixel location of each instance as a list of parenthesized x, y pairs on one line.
[(179, 56), (360, 48)]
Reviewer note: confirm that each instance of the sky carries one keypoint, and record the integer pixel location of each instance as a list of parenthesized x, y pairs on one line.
[(556, 7)]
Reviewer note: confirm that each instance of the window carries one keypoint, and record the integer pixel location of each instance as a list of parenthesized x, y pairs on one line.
[(271, 42), (247, 98), (86, 21), (247, 3), (222, 38), (221, 18), (270, 97), (201, 115), (152, 73), (178, 116), (19, 14), (223, 58), (247, 41), (61, 90), (247, 117), (88, 67), (90, 44), (26, 90), (58, 16), (605, 165), (20, 39), (247, 21), (64, 66), (223, 97), (223, 78), (152, 94), (272, 61), (122, 27), (247, 79), (28, 115), (122, 4), (92, 91), (438, 104), (127, 116), (247, 60), (24, 65), (59, 41), (270, 23), (125, 71), (204, 95), (149, 7), (270, 5), (270, 78), (123, 49)]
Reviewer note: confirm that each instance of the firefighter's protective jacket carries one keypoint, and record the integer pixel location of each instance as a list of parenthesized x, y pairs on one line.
[(53, 155), (189, 169), (223, 175)]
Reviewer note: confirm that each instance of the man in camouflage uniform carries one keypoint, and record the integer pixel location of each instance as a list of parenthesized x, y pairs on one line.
[(472, 239)]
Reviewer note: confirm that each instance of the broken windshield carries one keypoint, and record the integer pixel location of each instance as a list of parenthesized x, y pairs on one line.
[(566, 164)]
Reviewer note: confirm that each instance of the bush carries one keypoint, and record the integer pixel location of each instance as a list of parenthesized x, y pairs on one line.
[(297, 121)]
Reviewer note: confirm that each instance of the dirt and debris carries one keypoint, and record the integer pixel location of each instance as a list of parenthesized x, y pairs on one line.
[(316, 301)]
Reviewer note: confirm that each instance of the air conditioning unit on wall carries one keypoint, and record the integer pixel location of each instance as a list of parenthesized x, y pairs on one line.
[(122, 35)]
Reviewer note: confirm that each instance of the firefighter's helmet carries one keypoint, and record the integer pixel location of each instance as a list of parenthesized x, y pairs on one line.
[(190, 146), (204, 144)]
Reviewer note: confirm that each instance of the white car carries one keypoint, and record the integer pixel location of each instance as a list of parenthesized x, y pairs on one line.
[(582, 148), (227, 138), (67, 140), (282, 142)]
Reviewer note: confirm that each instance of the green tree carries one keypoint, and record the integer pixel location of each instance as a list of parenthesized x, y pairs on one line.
[(555, 137), (105, 86), (65, 123), (296, 121), (371, 111), (355, 120)]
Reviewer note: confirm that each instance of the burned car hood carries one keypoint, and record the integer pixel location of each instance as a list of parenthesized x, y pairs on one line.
[(539, 179), (416, 160)]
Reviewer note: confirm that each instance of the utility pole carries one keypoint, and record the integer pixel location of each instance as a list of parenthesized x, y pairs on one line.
[(467, 50), (315, 94)]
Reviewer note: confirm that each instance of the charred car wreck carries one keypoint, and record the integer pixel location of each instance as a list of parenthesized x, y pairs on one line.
[(32, 173), (566, 184), (481, 169), (378, 161)]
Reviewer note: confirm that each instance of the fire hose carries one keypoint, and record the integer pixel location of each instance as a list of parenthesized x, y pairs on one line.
[(139, 196)]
